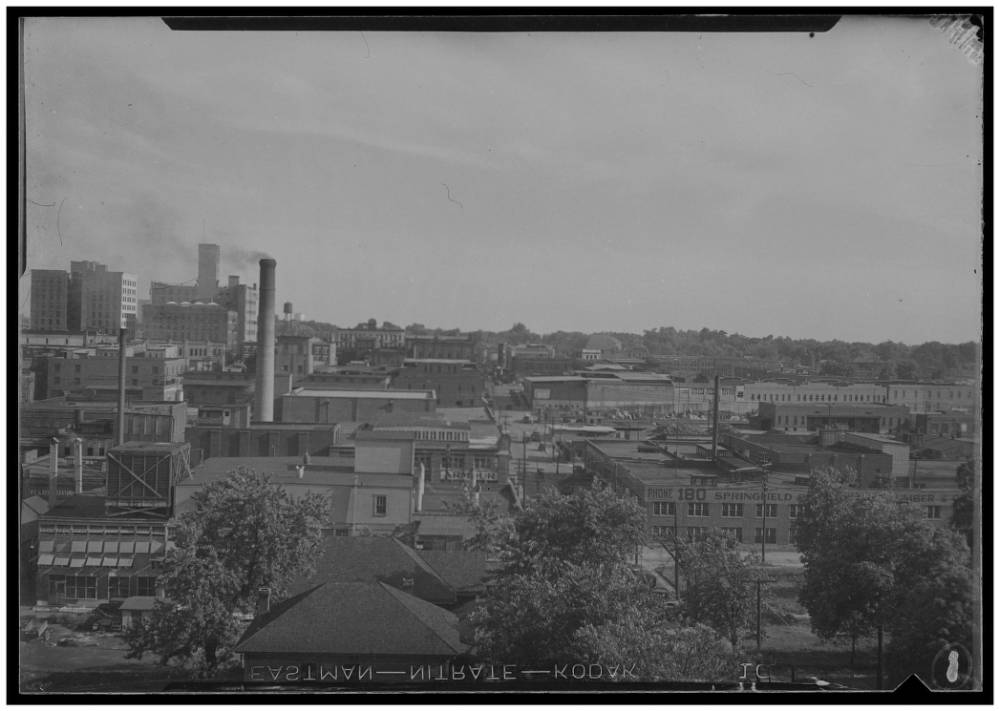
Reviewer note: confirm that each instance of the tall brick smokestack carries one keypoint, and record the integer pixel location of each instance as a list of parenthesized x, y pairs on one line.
[(264, 406)]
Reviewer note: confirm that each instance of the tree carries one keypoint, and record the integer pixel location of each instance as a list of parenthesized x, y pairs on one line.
[(244, 534), (872, 563), (961, 518), (659, 647), (720, 586), (564, 590)]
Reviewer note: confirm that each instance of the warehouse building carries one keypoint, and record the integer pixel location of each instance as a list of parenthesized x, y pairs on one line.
[(331, 406), (800, 417), (689, 498)]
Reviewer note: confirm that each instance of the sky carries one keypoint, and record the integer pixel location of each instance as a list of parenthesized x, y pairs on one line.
[(825, 187)]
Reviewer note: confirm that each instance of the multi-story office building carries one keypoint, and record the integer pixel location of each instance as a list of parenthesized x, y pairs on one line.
[(244, 300), (49, 300), (100, 300), (208, 271)]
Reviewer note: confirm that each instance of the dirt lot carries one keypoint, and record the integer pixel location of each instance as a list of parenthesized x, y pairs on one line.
[(45, 668)]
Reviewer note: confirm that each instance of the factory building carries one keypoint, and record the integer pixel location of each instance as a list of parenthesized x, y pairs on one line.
[(801, 417), (150, 379), (92, 549), (188, 321), (599, 392), (332, 406), (368, 341), (688, 496), (295, 356), (923, 398), (457, 383), (271, 439), (450, 347)]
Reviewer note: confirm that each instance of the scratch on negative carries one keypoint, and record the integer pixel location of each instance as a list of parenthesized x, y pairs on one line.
[(792, 74), (451, 198), (58, 218)]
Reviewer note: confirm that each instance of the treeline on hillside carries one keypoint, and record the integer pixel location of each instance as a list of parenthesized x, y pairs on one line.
[(887, 359)]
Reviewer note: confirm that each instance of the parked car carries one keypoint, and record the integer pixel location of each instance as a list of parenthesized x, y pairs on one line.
[(106, 616)]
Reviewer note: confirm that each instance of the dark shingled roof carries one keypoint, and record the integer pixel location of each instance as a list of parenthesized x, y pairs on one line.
[(462, 570), (355, 618), (376, 559)]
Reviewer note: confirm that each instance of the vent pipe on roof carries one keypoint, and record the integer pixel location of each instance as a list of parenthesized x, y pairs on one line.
[(53, 470), (420, 486), (78, 464), (263, 600)]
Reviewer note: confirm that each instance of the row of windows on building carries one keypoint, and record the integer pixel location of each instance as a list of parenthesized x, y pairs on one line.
[(454, 461), (728, 510), (84, 587), (792, 420), (155, 369), (668, 508), (813, 397), (928, 394), (699, 533)]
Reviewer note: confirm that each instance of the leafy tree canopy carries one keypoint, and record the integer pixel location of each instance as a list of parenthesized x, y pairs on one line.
[(872, 561), (564, 591), (243, 534), (721, 585)]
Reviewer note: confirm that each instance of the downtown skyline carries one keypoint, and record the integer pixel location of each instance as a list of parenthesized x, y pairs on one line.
[(825, 187)]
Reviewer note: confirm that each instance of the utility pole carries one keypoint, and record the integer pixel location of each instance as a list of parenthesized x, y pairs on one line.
[(523, 464), (759, 583), (763, 537), (676, 556)]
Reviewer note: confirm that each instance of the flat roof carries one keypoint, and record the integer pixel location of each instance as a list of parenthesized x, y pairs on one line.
[(263, 426), (555, 379), (631, 375), (160, 447), (364, 394), (321, 471), (877, 437), (444, 361), (435, 420)]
